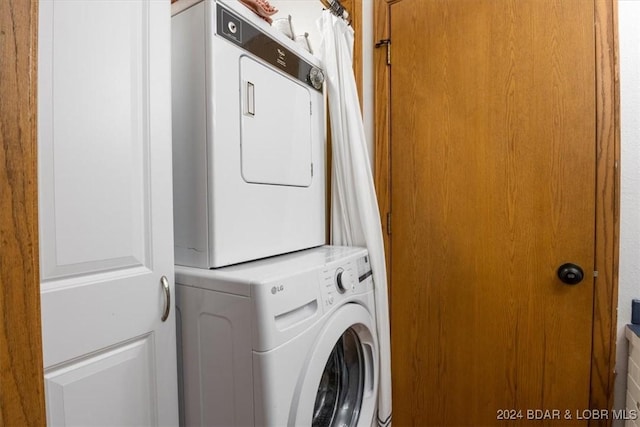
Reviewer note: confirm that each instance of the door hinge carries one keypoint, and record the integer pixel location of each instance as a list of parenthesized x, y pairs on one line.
[(310, 108), (387, 43), (389, 223)]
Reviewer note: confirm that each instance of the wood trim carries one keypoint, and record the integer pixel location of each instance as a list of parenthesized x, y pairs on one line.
[(354, 7), (381, 108), (607, 208), (21, 380), (356, 23), (607, 186)]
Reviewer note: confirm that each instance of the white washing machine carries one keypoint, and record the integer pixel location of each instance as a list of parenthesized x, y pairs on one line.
[(285, 341), (248, 137)]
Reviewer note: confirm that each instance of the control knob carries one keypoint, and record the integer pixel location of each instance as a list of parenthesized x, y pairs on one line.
[(340, 280), (316, 78)]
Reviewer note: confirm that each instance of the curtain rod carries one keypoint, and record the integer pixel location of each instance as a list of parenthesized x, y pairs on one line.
[(336, 8)]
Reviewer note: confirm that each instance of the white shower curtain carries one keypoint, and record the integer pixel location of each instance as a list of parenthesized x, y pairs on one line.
[(355, 220)]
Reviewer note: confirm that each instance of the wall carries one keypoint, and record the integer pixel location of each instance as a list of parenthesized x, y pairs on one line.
[(304, 14), (629, 283)]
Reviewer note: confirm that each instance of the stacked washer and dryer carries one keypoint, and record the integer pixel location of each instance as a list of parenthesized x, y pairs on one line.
[(275, 329)]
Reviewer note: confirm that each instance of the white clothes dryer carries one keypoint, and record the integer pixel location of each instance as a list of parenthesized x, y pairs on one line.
[(285, 341), (248, 137)]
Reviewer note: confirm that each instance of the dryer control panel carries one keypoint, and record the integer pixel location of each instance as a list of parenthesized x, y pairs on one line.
[(237, 30)]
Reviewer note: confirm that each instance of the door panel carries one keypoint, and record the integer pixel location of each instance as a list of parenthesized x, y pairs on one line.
[(96, 137), (71, 389), (106, 212), (493, 184)]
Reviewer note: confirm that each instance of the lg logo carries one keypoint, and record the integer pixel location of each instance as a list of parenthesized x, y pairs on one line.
[(277, 288)]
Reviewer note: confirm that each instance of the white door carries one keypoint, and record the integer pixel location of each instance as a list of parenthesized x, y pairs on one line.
[(104, 131)]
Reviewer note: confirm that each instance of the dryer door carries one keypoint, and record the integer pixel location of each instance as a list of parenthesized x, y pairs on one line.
[(275, 127), (340, 385)]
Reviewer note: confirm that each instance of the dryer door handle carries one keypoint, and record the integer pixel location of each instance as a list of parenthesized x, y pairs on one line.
[(251, 99)]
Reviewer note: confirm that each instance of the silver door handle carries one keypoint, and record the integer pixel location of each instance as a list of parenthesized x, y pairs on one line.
[(251, 99), (167, 297)]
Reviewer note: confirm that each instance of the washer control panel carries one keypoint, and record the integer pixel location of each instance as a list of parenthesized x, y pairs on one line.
[(345, 280)]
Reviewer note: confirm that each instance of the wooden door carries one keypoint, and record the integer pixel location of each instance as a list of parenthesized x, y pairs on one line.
[(106, 239), (493, 157)]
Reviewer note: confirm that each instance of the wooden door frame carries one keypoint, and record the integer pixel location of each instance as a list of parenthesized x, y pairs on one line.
[(21, 369), (607, 185)]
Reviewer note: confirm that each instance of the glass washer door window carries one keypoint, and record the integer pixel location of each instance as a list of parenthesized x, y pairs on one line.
[(339, 396)]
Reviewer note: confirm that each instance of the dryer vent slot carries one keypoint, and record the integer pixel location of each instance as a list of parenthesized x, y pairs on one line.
[(292, 317)]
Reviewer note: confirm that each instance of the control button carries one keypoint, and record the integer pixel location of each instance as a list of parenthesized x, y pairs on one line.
[(340, 280), (232, 27)]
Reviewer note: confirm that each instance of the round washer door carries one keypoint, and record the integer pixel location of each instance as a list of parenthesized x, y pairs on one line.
[(339, 387)]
